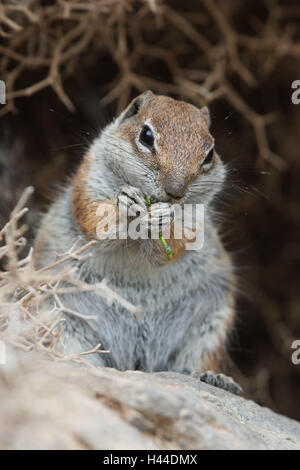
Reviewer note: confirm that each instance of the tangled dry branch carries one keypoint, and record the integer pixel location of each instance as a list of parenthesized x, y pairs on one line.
[(55, 38), (26, 320)]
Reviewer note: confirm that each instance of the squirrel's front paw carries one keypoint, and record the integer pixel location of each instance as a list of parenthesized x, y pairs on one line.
[(131, 201), (218, 380), (161, 214)]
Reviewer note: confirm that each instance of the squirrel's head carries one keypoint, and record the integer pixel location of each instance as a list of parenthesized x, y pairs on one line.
[(164, 147)]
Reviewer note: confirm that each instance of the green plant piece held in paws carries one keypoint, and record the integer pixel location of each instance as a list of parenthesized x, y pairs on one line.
[(167, 248)]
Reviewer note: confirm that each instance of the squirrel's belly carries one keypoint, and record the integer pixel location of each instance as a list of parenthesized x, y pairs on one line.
[(171, 306), (147, 342)]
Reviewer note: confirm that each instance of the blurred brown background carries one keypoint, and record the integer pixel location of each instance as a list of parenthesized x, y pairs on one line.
[(69, 66)]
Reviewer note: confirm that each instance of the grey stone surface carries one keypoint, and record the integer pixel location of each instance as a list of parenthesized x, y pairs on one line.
[(48, 405)]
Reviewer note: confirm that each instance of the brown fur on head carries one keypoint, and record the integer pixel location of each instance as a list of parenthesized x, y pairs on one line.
[(181, 139)]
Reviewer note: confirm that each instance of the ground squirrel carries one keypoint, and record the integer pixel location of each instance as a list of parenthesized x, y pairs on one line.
[(157, 147)]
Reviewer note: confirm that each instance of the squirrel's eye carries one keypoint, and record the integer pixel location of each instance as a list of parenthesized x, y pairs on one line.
[(147, 137), (209, 157)]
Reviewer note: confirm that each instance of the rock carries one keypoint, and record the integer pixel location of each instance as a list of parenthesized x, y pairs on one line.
[(50, 405)]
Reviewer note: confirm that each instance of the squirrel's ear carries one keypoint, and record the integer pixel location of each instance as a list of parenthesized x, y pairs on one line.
[(136, 104), (206, 115)]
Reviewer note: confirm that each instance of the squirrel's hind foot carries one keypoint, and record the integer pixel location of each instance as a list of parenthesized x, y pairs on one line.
[(218, 380)]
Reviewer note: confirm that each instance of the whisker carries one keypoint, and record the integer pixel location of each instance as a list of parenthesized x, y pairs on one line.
[(69, 146)]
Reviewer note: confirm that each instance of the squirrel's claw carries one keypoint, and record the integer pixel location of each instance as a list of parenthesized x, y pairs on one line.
[(131, 200), (161, 214), (218, 380)]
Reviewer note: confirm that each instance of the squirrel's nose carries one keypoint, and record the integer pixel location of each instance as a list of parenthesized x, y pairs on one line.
[(175, 189)]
